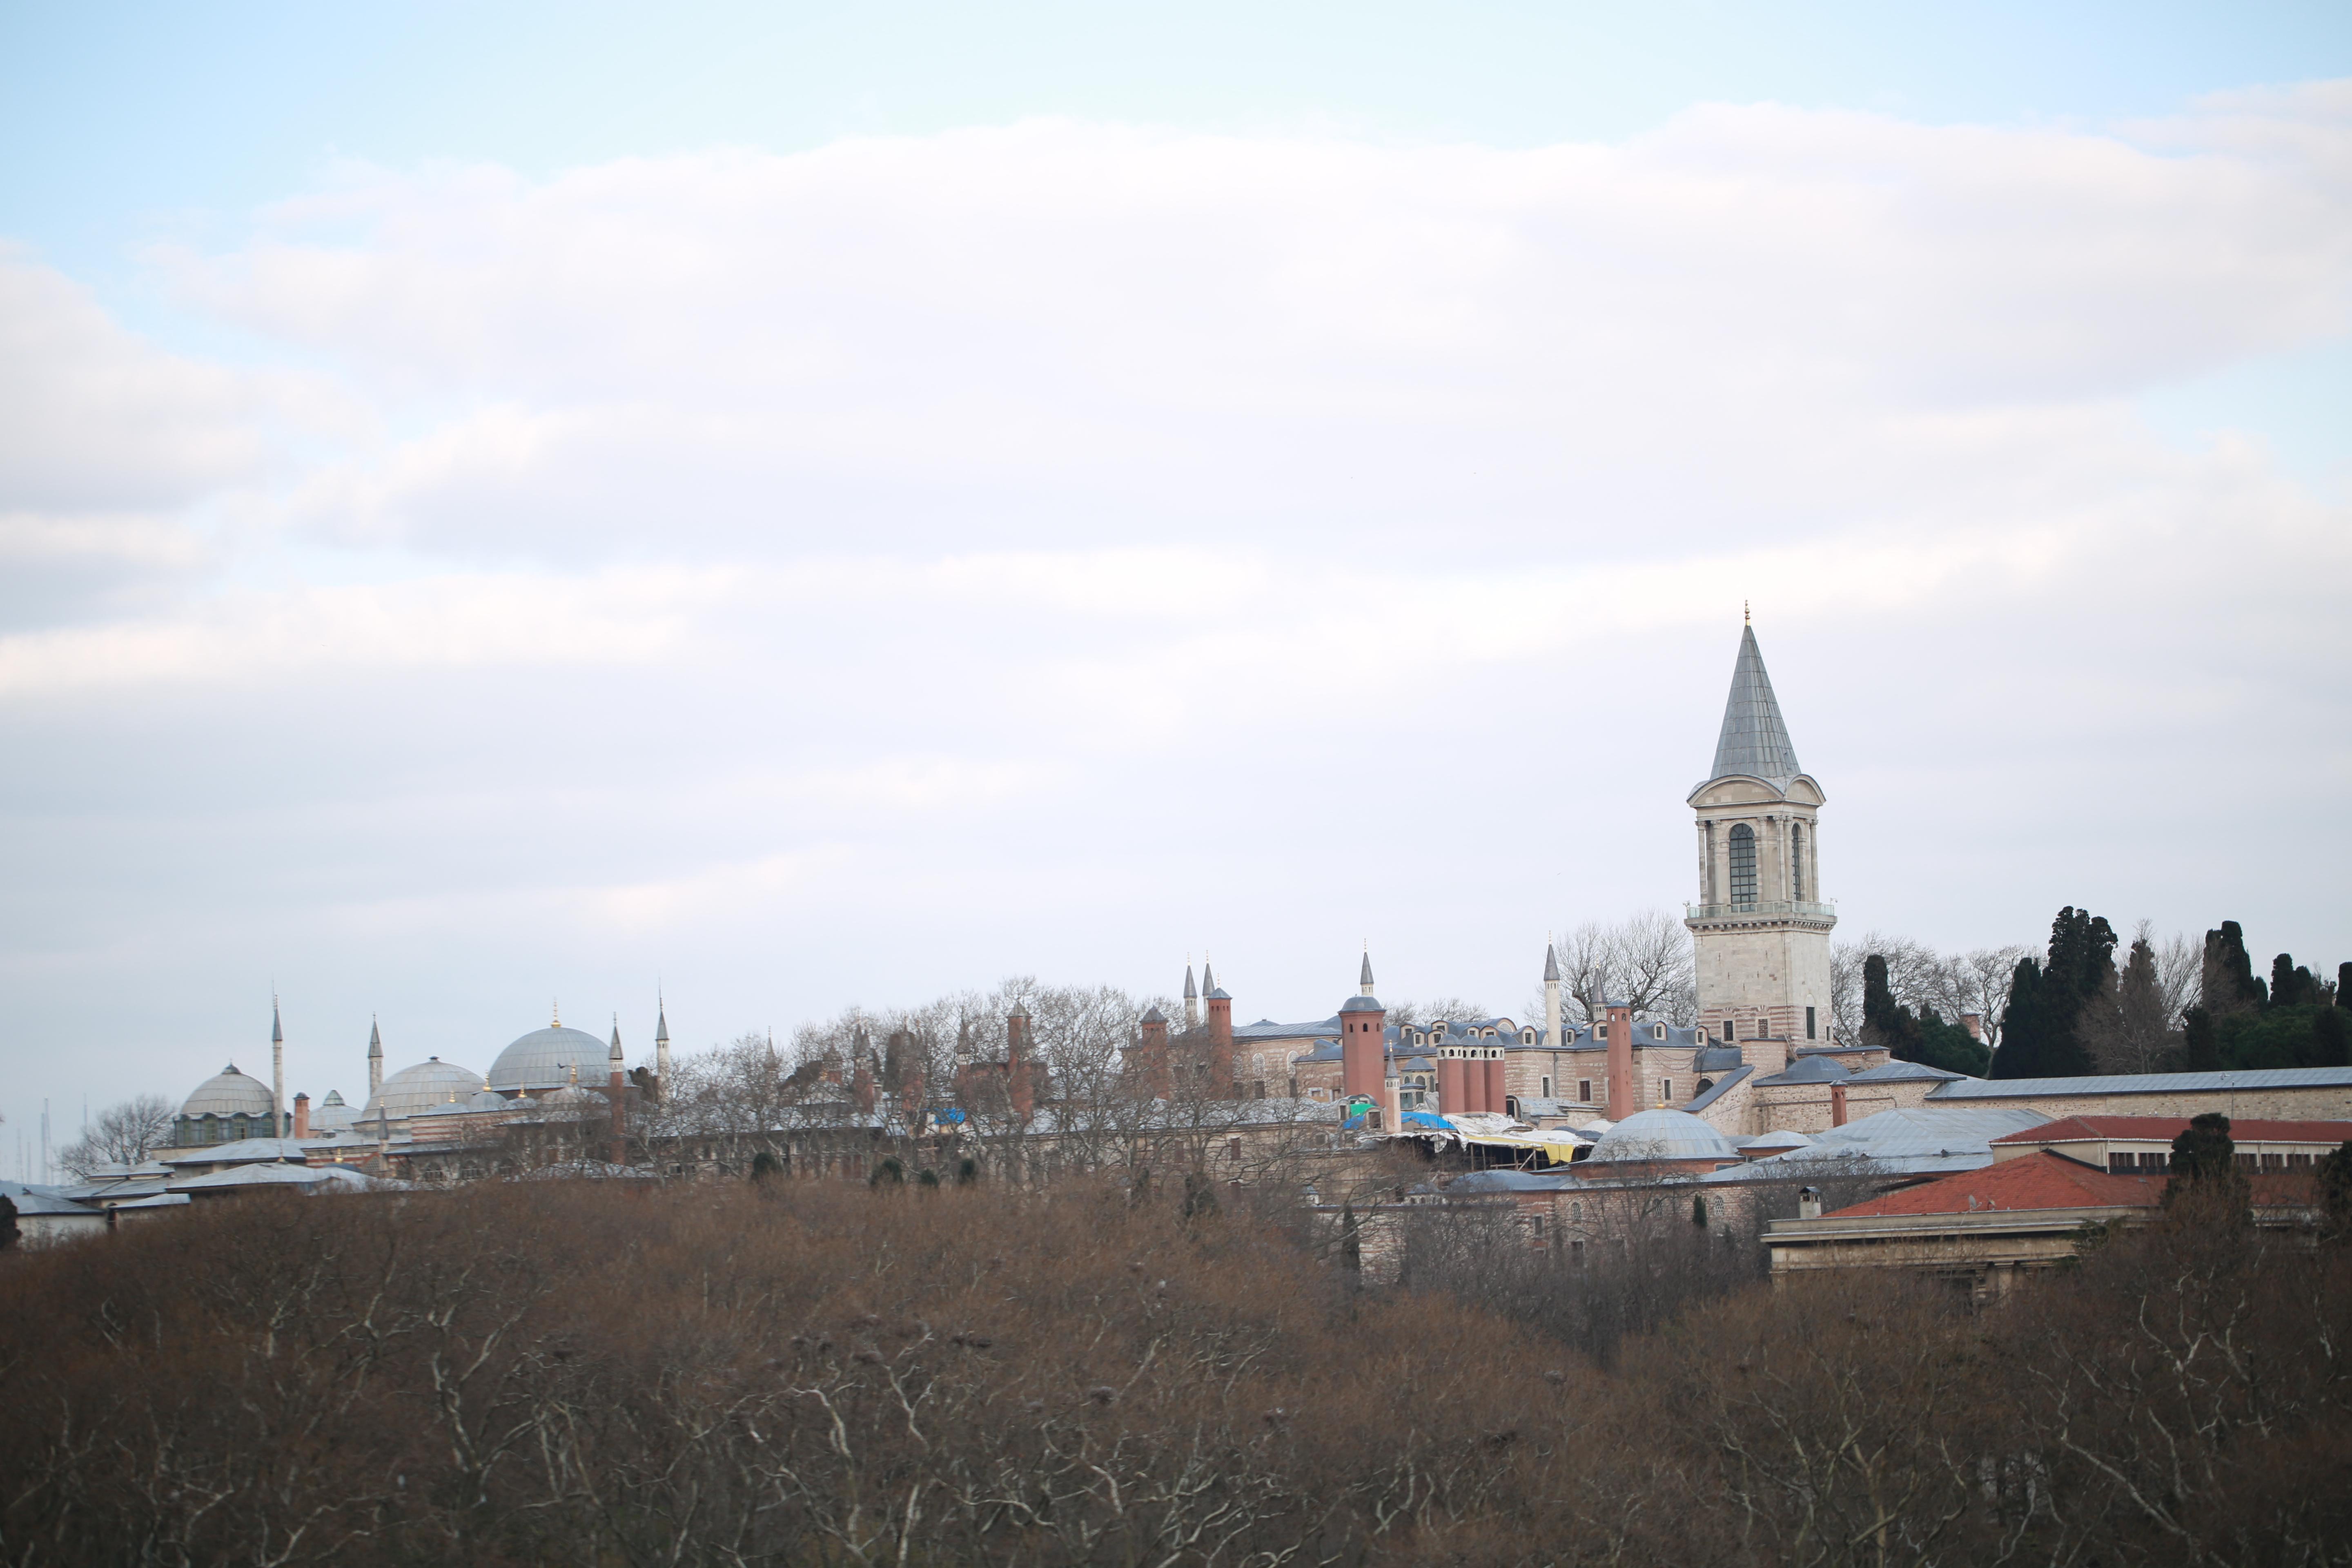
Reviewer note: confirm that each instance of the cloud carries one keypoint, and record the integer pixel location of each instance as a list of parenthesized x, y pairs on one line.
[(859, 572)]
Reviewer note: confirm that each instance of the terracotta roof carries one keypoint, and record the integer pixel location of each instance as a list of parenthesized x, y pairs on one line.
[(2168, 1127), (2051, 1181), (2044, 1180)]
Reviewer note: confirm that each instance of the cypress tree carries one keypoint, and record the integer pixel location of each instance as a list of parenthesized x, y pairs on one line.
[(2230, 982), (1886, 1024), (2344, 985), (2292, 986), (2024, 1026), (2078, 984), (2335, 1191), (2205, 1165), (7, 1223), (2200, 1043), (2330, 1047)]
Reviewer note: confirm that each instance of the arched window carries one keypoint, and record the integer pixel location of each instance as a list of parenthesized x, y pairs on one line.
[(1743, 866), (1797, 859)]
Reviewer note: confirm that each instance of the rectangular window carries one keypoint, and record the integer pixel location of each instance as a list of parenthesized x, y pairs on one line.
[(1731, 1028), (1535, 1224), (1666, 1089), (1584, 1094), (1546, 1082), (1808, 1023)]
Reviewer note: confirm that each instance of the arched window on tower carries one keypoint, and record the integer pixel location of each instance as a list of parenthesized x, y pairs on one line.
[(1743, 865), (1797, 858)]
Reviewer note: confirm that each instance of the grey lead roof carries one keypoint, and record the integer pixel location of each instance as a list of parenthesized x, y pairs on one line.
[(2142, 1083), (1755, 741)]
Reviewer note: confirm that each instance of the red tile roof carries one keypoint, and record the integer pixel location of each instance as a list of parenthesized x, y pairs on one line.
[(2051, 1181), (2067, 1128), (2043, 1181)]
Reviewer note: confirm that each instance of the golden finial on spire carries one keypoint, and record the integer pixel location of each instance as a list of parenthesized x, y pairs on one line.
[(1746, 616), (555, 1012)]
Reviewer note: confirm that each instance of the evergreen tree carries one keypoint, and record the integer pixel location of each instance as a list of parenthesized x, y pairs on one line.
[(2078, 986), (2331, 1039), (2230, 983), (7, 1223), (2204, 1167), (2292, 985), (2335, 1191), (1698, 1212), (1883, 1024), (2200, 1043), (2022, 1025), (2344, 985)]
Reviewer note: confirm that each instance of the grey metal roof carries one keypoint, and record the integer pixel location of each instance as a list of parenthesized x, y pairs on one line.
[(1721, 1087), (1755, 740), (1189, 989), (1717, 1059), (413, 1090), (244, 1152), (1906, 1072), (316, 1178), (1916, 1140), (229, 1092), (1365, 976), (32, 1201), (2145, 1083), (1807, 1069), (1267, 1030), (543, 1060), (1662, 1134), (1361, 1005), (1551, 962)]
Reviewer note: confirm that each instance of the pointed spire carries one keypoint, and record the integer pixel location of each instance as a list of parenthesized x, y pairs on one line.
[(616, 1056), (1551, 963), (1364, 974), (1754, 741), (375, 1039), (1189, 992), (661, 1020), (277, 1032), (555, 1013), (1208, 975)]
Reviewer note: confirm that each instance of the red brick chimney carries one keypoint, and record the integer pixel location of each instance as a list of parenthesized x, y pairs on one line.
[(1496, 1092), (1974, 1024), (1837, 1105), (1623, 1102), (1363, 1048), (861, 1088), (301, 1116), (1016, 1063), (1220, 1041), (1151, 1055)]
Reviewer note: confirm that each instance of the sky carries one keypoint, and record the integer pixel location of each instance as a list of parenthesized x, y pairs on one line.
[(788, 507)]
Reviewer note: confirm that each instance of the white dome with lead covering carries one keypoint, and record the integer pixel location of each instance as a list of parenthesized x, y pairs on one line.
[(413, 1091), (1662, 1134), (229, 1092), (545, 1059)]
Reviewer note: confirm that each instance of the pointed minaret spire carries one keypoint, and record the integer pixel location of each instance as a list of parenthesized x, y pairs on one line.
[(1755, 740), (1553, 1018), (661, 1042), (1364, 976), (617, 1058), (1191, 998), (277, 1071), (1208, 974), (375, 1057)]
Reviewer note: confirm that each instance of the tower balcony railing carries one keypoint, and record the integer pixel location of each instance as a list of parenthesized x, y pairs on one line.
[(1760, 907)]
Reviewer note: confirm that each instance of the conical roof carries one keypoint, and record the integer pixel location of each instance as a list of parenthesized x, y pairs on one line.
[(1551, 962), (1755, 740)]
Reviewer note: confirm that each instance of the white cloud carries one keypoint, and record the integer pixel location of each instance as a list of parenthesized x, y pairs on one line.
[(858, 572)]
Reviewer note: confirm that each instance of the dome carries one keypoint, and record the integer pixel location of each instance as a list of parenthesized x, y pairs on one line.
[(411, 1091), (331, 1115), (574, 1101), (229, 1092), (544, 1059), (1663, 1135)]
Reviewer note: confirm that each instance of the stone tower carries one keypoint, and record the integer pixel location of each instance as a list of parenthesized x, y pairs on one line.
[(1761, 926)]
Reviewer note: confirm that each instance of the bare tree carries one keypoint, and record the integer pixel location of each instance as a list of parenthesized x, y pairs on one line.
[(1920, 978), (1451, 1009), (1645, 960), (122, 1135)]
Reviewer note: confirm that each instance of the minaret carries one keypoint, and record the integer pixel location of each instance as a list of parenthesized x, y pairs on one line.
[(277, 1073), (1554, 1020), (1191, 1000), (661, 1046), (1208, 976), (376, 1059), (617, 1067), (1761, 926)]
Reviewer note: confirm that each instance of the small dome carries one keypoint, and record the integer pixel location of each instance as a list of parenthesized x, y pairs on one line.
[(413, 1091), (569, 1102), (1664, 1135), (544, 1059), (1362, 1004), (229, 1092)]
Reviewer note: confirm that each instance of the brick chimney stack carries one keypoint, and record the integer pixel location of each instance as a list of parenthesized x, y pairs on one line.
[(1837, 1105), (1496, 1089), (1221, 1039), (1016, 1063), (1363, 1044), (1622, 1099), (301, 1116), (1452, 1091), (1151, 1055)]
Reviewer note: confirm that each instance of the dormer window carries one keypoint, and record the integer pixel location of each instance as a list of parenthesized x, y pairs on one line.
[(1657, 1031)]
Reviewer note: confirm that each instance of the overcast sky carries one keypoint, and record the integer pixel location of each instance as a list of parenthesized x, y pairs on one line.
[(847, 506)]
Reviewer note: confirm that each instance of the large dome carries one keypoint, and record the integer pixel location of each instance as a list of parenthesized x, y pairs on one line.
[(544, 1059), (1663, 1135), (411, 1091), (229, 1092)]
